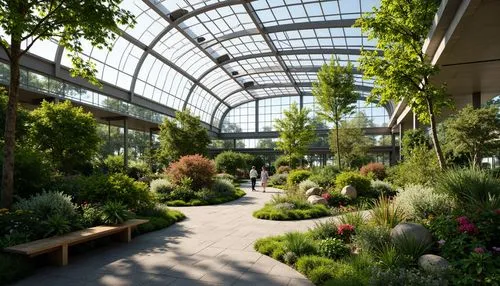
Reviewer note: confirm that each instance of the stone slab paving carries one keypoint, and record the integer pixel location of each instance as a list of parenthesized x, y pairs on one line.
[(213, 246)]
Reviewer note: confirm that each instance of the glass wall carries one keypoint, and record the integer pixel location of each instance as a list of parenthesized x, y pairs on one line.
[(241, 119), (271, 109)]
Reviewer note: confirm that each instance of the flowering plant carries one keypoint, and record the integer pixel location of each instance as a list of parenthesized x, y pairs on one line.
[(345, 231)]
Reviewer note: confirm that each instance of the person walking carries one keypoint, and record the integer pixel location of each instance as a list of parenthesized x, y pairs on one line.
[(263, 178), (253, 177)]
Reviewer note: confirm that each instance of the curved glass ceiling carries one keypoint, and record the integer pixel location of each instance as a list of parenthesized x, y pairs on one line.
[(211, 56)]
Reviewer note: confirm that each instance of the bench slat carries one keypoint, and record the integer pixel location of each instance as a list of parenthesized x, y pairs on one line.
[(45, 245)]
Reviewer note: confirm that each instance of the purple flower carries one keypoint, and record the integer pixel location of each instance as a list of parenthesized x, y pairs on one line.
[(496, 249), (441, 242)]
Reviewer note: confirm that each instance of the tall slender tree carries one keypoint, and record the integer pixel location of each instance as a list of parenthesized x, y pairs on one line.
[(336, 95), (404, 71), (68, 22), (296, 132)]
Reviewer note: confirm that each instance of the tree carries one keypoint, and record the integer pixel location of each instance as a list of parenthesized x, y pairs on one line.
[(229, 162), (474, 132), (403, 72), (67, 134), (352, 144), (296, 132), (68, 21), (335, 94), (182, 136)]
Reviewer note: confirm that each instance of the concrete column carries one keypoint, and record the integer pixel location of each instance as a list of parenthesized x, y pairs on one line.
[(476, 100), (125, 142), (416, 124)]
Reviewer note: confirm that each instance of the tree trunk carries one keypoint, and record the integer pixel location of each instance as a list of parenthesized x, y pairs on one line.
[(10, 126), (435, 140), (337, 142)]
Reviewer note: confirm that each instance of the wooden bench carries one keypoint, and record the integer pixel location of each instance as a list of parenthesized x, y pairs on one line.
[(57, 246)]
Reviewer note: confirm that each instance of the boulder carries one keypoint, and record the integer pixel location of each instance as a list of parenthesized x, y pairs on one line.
[(349, 191), (410, 230), (431, 263), (316, 191), (314, 199)]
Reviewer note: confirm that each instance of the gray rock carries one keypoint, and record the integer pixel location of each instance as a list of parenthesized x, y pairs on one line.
[(349, 191), (314, 199), (410, 230), (316, 191), (433, 263)]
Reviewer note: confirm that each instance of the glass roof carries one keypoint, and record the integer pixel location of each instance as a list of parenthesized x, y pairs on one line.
[(213, 55)]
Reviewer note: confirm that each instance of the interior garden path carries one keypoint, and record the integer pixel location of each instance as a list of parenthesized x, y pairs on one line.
[(213, 246)]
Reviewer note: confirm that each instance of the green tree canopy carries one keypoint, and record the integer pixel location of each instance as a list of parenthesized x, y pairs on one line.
[(335, 94), (67, 21), (67, 134), (296, 132), (352, 142), (182, 136), (403, 72), (474, 132)]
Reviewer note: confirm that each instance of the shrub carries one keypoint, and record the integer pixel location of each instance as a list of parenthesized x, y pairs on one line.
[(290, 257), (333, 248), (372, 238), (321, 274), (306, 264), (306, 185), (297, 176), (56, 225), (299, 243), (323, 230), (183, 191), (355, 219), (91, 215), (161, 186), (230, 162), (113, 213), (18, 226), (410, 248), (115, 187), (405, 277), (362, 184), (377, 170), (474, 189), (336, 199), (420, 168), (325, 176), (278, 179), (387, 213), (270, 212), (283, 169), (380, 188), (223, 187), (114, 164), (419, 202), (159, 217), (48, 204), (138, 170), (281, 161), (200, 169), (224, 176)]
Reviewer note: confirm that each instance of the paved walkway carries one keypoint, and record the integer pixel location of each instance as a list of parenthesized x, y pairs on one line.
[(213, 246)]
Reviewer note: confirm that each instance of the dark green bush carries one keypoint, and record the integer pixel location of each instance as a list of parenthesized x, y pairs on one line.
[(299, 243), (321, 274), (278, 179), (114, 213), (419, 168), (297, 176), (48, 204), (159, 217), (306, 264), (230, 162), (323, 230), (361, 183), (381, 188), (270, 212), (333, 248), (91, 215), (114, 164)]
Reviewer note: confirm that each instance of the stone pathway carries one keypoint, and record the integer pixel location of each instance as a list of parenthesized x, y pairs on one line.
[(213, 246)]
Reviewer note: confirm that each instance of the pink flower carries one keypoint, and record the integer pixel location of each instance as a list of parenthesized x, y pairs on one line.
[(469, 228), (479, 250), (463, 220), (343, 228)]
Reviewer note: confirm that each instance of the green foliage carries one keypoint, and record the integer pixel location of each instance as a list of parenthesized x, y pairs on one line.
[(114, 213), (183, 136), (224, 176), (278, 179), (306, 185), (471, 188), (323, 230), (48, 204), (230, 162), (474, 132), (281, 161), (161, 186), (421, 168), (200, 169), (115, 164), (183, 191), (409, 248), (296, 132), (403, 72), (372, 239), (381, 188), (335, 94), (325, 176), (306, 264), (336, 199), (377, 170), (299, 243), (333, 248), (297, 176), (361, 183), (352, 143), (387, 213), (32, 172), (283, 170), (159, 217), (91, 215), (67, 134), (23, 118), (56, 225), (412, 139), (298, 209), (223, 187), (419, 202), (405, 277), (355, 219)]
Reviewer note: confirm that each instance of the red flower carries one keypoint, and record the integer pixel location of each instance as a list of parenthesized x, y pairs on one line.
[(326, 196), (345, 228), (463, 220), (468, 228), (479, 250)]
